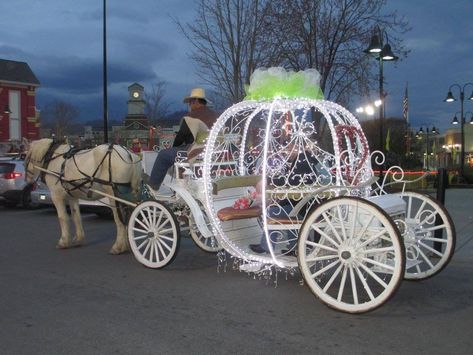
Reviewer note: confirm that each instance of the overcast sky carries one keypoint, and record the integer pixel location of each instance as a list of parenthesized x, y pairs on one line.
[(61, 40)]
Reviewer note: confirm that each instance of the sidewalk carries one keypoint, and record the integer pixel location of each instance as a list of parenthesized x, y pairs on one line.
[(459, 203)]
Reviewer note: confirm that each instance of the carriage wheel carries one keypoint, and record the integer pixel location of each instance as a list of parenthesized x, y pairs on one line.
[(154, 234), (429, 236), (209, 245), (351, 254)]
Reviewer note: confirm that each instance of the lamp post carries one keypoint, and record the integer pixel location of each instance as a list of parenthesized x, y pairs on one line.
[(451, 98), (105, 96), (420, 135), (382, 52)]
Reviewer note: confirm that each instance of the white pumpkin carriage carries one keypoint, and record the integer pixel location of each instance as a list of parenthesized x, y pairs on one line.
[(321, 210)]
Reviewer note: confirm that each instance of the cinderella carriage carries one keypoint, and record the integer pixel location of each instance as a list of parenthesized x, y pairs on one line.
[(291, 172)]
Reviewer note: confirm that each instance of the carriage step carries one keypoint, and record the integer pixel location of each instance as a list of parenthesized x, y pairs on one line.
[(252, 267)]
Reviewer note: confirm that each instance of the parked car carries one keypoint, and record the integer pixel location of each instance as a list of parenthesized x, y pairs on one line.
[(13, 188), (42, 196)]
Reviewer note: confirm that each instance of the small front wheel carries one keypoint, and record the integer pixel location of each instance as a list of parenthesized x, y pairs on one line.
[(350, 254), (154, 235), (207, 244)]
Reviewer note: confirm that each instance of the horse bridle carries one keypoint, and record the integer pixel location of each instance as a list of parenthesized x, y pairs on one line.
[(43, 162)]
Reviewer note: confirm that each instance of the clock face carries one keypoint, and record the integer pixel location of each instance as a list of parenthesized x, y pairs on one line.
[(136, 94)]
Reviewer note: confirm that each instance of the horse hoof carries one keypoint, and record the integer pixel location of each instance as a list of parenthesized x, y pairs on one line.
[(117, 251), (61, 246)]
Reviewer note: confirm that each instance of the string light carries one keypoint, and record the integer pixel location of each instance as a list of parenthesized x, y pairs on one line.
[(286, 129)]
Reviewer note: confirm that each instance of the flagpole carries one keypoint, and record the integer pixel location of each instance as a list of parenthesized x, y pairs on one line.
[(405, 113)]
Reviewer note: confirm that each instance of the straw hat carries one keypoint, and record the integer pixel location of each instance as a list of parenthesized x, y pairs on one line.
[(196, 93)]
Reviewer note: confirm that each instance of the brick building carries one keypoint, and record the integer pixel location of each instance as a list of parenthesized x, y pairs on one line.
[(19, 117)]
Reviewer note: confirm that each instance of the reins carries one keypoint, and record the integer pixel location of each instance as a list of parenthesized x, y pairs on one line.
[(80, 184)]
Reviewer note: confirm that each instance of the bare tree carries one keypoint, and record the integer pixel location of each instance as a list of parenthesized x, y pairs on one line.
[(61, 117), (156, 106), (330, 35), (228, 41)]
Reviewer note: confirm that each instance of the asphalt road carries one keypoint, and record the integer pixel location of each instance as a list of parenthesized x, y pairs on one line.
[(85, 301)]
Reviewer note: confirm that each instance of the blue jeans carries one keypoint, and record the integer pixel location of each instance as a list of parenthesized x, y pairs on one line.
[(164, 161), (274, 212)]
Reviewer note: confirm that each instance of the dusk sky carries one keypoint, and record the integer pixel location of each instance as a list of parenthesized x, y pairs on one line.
[(61, 40)]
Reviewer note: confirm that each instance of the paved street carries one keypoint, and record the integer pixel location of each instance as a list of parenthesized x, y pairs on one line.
[(85, 301)]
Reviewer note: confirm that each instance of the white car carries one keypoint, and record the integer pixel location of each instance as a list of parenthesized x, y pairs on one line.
[(13, 188)]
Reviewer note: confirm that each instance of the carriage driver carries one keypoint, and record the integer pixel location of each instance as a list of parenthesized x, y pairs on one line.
[(197, 110)]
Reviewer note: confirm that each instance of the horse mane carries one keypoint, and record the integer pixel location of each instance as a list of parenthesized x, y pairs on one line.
[(38, 149)]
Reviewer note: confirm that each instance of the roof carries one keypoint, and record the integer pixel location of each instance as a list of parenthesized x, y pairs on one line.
[(17, 72), (135, 85)]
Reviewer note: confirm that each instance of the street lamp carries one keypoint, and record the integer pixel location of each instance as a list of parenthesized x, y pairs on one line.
[(419, 135), (105, 82), (451, 98), (382, 52), (455, 119)]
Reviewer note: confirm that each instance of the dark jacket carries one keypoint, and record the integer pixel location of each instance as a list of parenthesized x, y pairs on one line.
[(184, 136)]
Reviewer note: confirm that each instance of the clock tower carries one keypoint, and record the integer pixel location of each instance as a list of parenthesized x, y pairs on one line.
[(136, 118)]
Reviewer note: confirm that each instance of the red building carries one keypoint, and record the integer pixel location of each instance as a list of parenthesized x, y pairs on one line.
[(19, 117)]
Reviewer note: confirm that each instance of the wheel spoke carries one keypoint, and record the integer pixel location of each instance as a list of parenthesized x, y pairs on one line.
[(377, 263), (158, 242), (142, 224), (147, 248), (342, 225), (156, 251), (371, 239), (430, 229), (353, 286), (332, 279), (321, 258), (144, 242), (409, 207), (139, 237), (165, 231), (151, 251), (377, 250), (373, 275), (326, 268), (438, 240), (166, 221), (164, 244), (365, 284), (430, 248), (140, 230), (321, 232), (355, 214), (365, 227), (162, 236), (342, 284), (321, 246), (426, 259), (419, 211), (161, 213), (145, 219), (329, 222)]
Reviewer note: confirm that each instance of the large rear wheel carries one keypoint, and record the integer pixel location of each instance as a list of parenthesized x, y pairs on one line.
[(351, 254), (429, 236)]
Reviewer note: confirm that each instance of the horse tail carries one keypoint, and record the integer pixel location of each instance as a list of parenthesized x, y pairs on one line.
[(136, 175)]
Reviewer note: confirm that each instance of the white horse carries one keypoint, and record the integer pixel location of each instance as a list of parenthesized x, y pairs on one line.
[(72, 174)]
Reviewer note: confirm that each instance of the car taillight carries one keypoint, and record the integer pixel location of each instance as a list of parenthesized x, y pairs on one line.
[(12, 175)]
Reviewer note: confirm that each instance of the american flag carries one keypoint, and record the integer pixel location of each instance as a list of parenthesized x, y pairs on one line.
[(405, 106)]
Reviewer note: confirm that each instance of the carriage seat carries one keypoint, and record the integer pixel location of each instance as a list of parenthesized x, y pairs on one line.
[(229, 213)]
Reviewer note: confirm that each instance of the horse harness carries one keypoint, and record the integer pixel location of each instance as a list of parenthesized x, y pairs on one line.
[(79, 184)]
